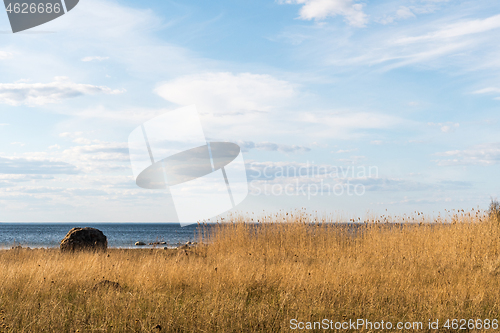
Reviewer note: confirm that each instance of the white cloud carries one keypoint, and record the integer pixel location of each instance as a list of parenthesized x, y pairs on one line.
[(232, 106), (45, 93), (70, 134), (484, 154), (345, 125), (102, 151), (44, 166), (447, 127), (269, 146), (93, 150), (448, 41), (97, 29), (321, 9), (404, 13), (343, 151), (126, 114), (223, 92), (5, 55), (87, 59), (352, 159)]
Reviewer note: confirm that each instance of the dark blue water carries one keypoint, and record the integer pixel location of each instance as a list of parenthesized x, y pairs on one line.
[(120, 235), (123, 235)]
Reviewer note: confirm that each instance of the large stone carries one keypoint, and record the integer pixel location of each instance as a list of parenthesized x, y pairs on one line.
[(84, 239)]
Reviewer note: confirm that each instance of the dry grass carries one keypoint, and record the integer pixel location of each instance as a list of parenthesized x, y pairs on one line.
[(259, 278)]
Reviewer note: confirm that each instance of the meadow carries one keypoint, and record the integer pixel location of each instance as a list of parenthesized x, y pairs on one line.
[(288, 269)]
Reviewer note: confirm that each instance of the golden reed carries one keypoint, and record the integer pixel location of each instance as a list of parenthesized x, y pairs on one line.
[(258, 278)]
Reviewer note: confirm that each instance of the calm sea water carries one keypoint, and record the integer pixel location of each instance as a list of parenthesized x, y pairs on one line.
[(120, 235)]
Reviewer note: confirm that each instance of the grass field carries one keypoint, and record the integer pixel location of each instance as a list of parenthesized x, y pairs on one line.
[(260, 278)]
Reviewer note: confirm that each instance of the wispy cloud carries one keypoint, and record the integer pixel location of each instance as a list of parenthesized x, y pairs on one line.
[(343, 151), (13, 165), (269, 146), (459, 29), (95, 58), (32, 94), (483, 154), (490, 91), (447, 127), (103, 151), (346, 124), (464, 41)]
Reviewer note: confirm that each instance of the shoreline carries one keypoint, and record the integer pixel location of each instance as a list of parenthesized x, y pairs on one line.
[(148, 247)]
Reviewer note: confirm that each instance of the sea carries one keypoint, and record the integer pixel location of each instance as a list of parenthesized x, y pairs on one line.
[(119, 235), (122, 235)]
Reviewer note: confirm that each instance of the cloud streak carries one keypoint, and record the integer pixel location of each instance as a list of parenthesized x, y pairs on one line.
[(33, 94), (96, 58), (10, 165), (455, 30), (269, 146), (483, 154)]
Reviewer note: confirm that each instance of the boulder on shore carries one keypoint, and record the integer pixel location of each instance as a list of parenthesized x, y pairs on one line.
[(140, 243), (78, 239)]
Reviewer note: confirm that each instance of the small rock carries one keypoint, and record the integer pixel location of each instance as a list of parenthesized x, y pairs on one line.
[(140, 243), (158, 243), (183, 247), (106, 284)]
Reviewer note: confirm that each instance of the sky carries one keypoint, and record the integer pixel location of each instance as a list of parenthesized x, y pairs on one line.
[(354, 108)]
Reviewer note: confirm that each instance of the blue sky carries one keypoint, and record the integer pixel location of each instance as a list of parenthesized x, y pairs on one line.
[(408, 88)]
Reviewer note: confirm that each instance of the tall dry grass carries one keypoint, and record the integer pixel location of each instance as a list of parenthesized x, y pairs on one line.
[(258, 278)]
